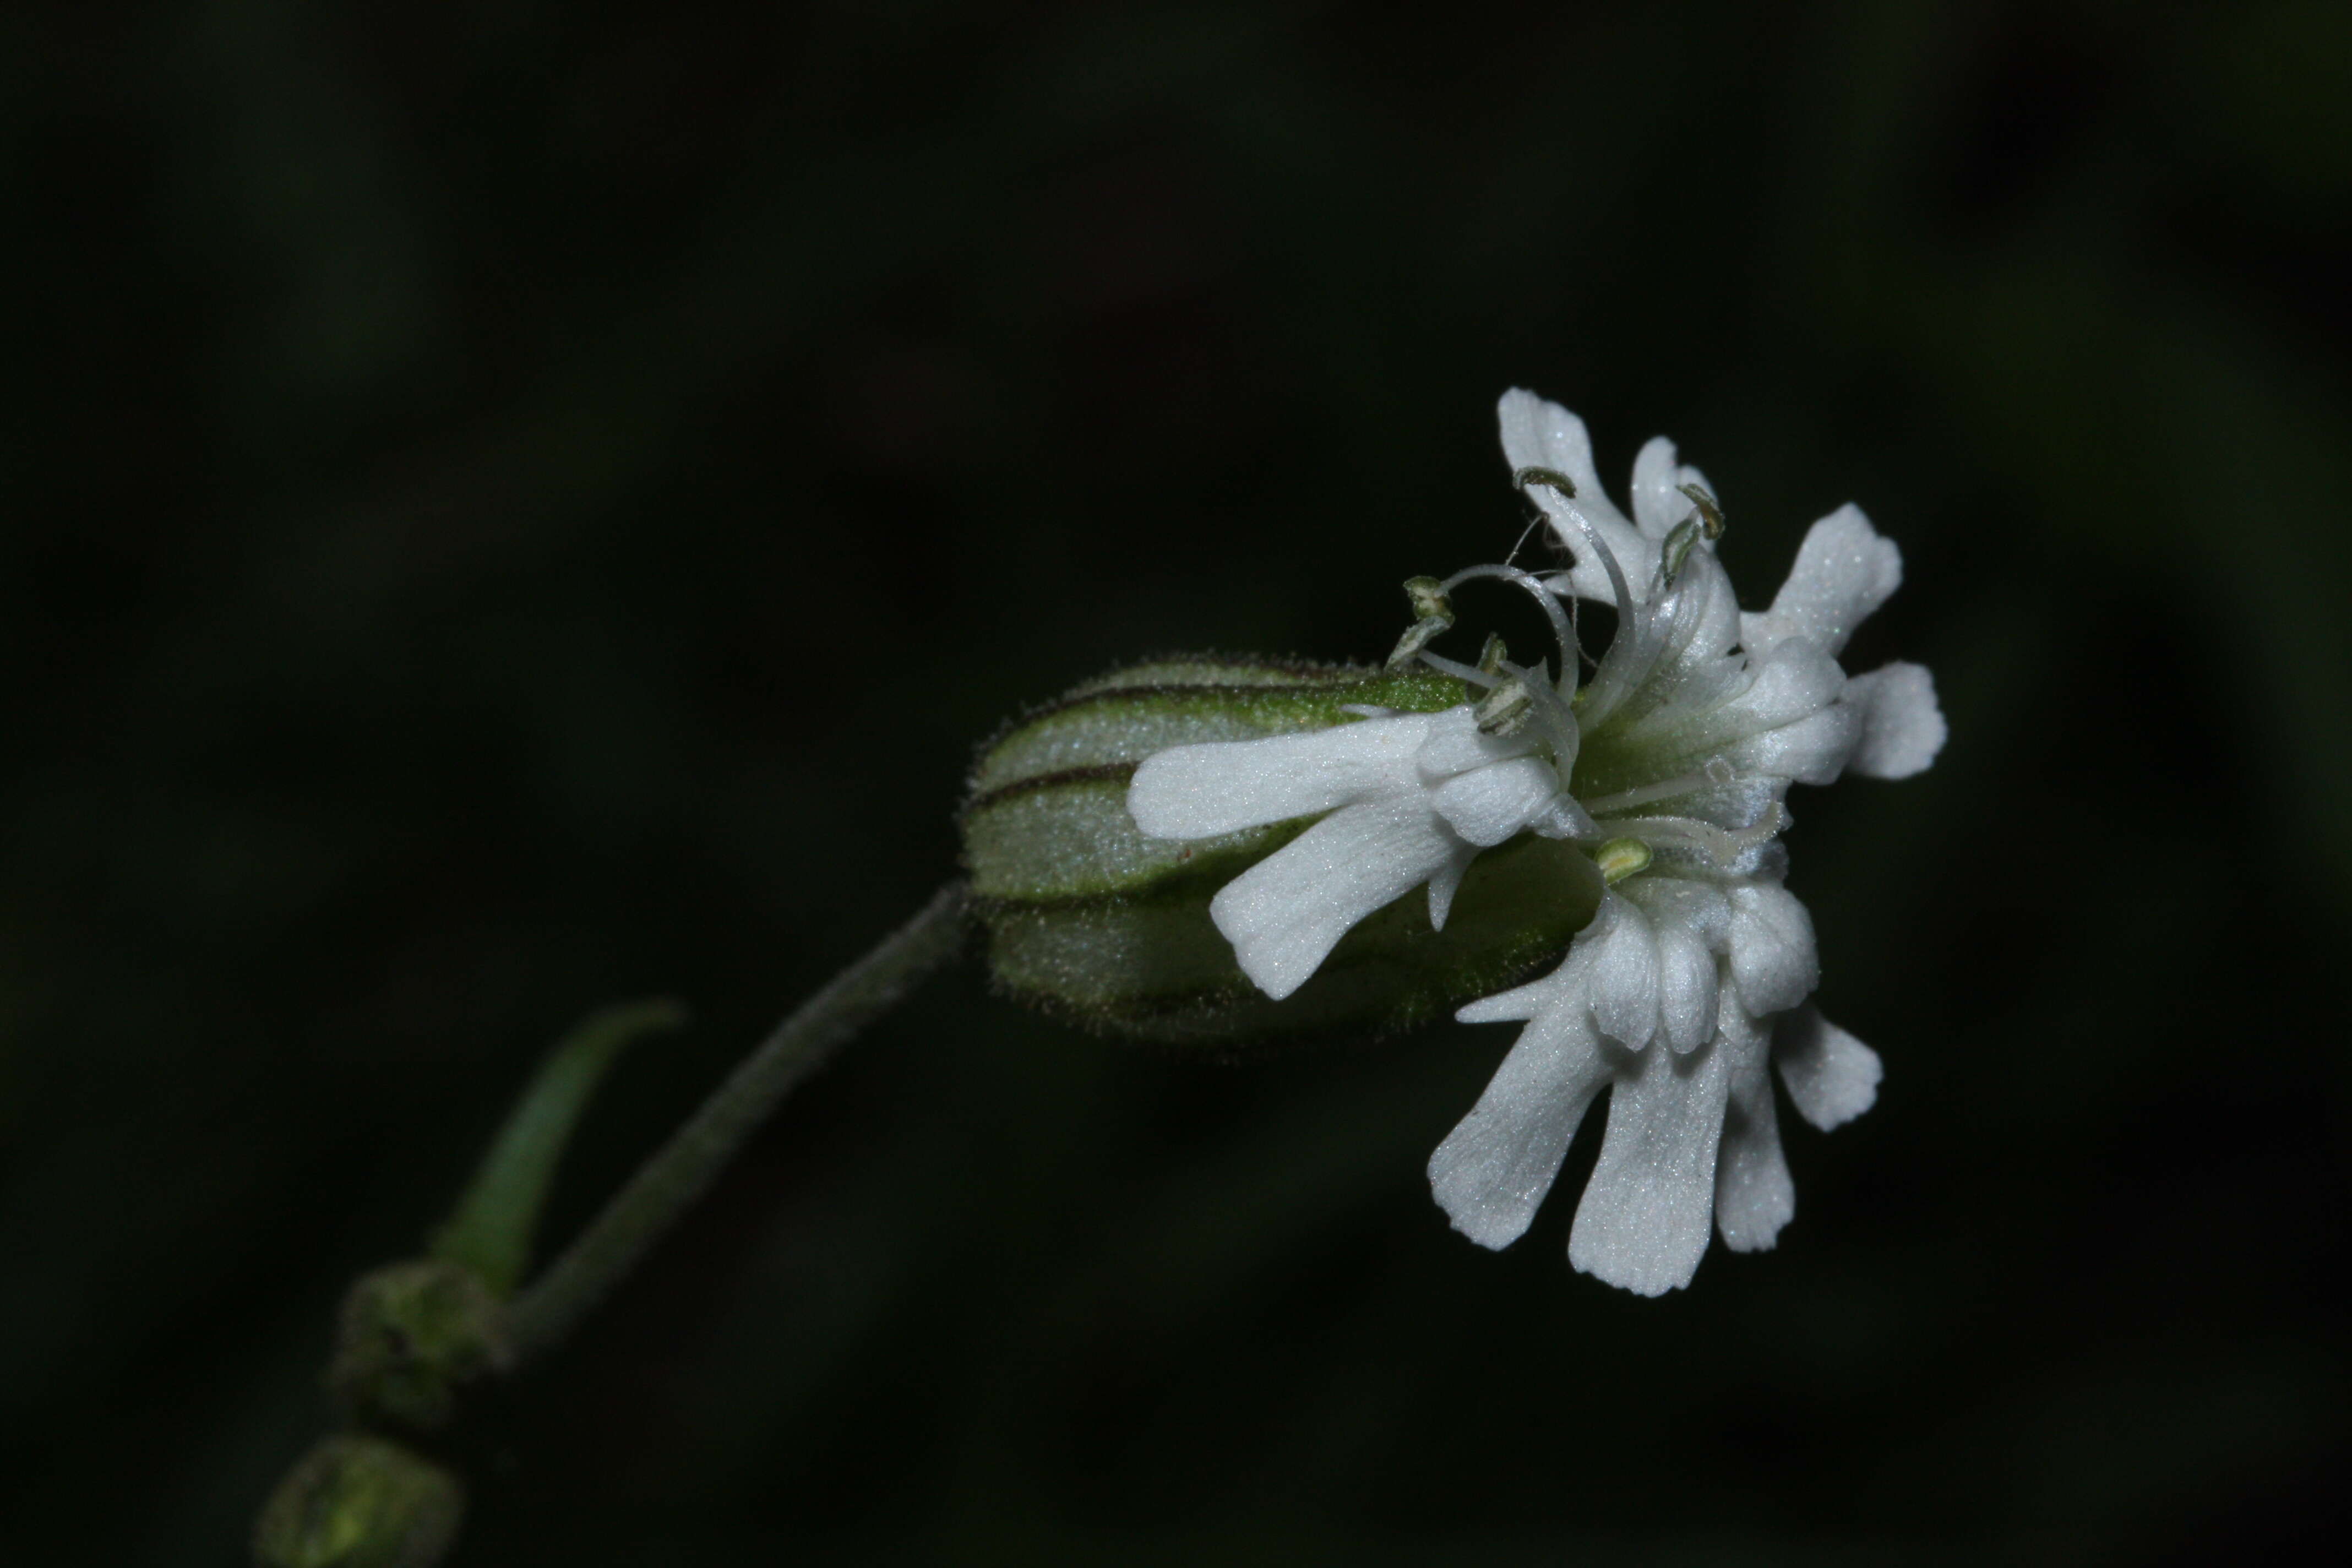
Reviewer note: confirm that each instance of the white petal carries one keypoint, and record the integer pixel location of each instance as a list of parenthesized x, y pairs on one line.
[(1844, 570), (1765, 862), (1486, 806), (1791, 682), (1680, 660), (1446, 881), (1609, 979), (1774, 962), (1795, 680), (1701, 906), (1564, 818), (1643, 1222), (1618, 952), (1814, 750), (1658, 500), (1902, 726), (1693, 923), (1494, 1168), (1284, 914), (1455, 745), (1686, 987), (1588, 578), (1518, 1004), (1198, 791), (1831, 1077), (1540, 434), (1754, 1196)]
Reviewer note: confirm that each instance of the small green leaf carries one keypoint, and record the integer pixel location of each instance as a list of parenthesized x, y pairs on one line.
[(491, 1228)]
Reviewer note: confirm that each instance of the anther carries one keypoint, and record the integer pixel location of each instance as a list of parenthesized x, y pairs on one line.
[(1432, 613), (1621, 857), (1550, 478), (1710, 514), (1505, 709)]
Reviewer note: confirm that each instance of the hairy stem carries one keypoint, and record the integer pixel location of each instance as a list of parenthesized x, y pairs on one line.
[(667, 1184)]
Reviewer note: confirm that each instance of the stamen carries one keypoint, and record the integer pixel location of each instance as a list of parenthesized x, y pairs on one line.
[(1715, 774), (1629, 650), (1719, 844)]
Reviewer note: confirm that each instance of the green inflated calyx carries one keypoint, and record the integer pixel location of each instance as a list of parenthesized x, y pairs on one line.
[(1090, 920)]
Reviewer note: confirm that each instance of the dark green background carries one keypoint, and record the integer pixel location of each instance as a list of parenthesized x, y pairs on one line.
[(509, 507)]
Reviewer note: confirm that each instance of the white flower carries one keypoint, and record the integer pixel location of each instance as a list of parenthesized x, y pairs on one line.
[(1671, 765)]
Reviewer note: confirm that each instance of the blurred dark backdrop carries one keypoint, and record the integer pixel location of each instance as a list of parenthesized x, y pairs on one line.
[(511, 507)]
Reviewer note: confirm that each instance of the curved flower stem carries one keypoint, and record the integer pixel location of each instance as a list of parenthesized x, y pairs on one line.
[(667, 1184)]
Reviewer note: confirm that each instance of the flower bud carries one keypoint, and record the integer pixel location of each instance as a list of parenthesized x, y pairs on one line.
[(411, 1335), (356, 1501), (1089, 919)]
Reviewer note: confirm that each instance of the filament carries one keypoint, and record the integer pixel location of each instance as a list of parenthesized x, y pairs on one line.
[(1722, 845), (1560, 630)]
